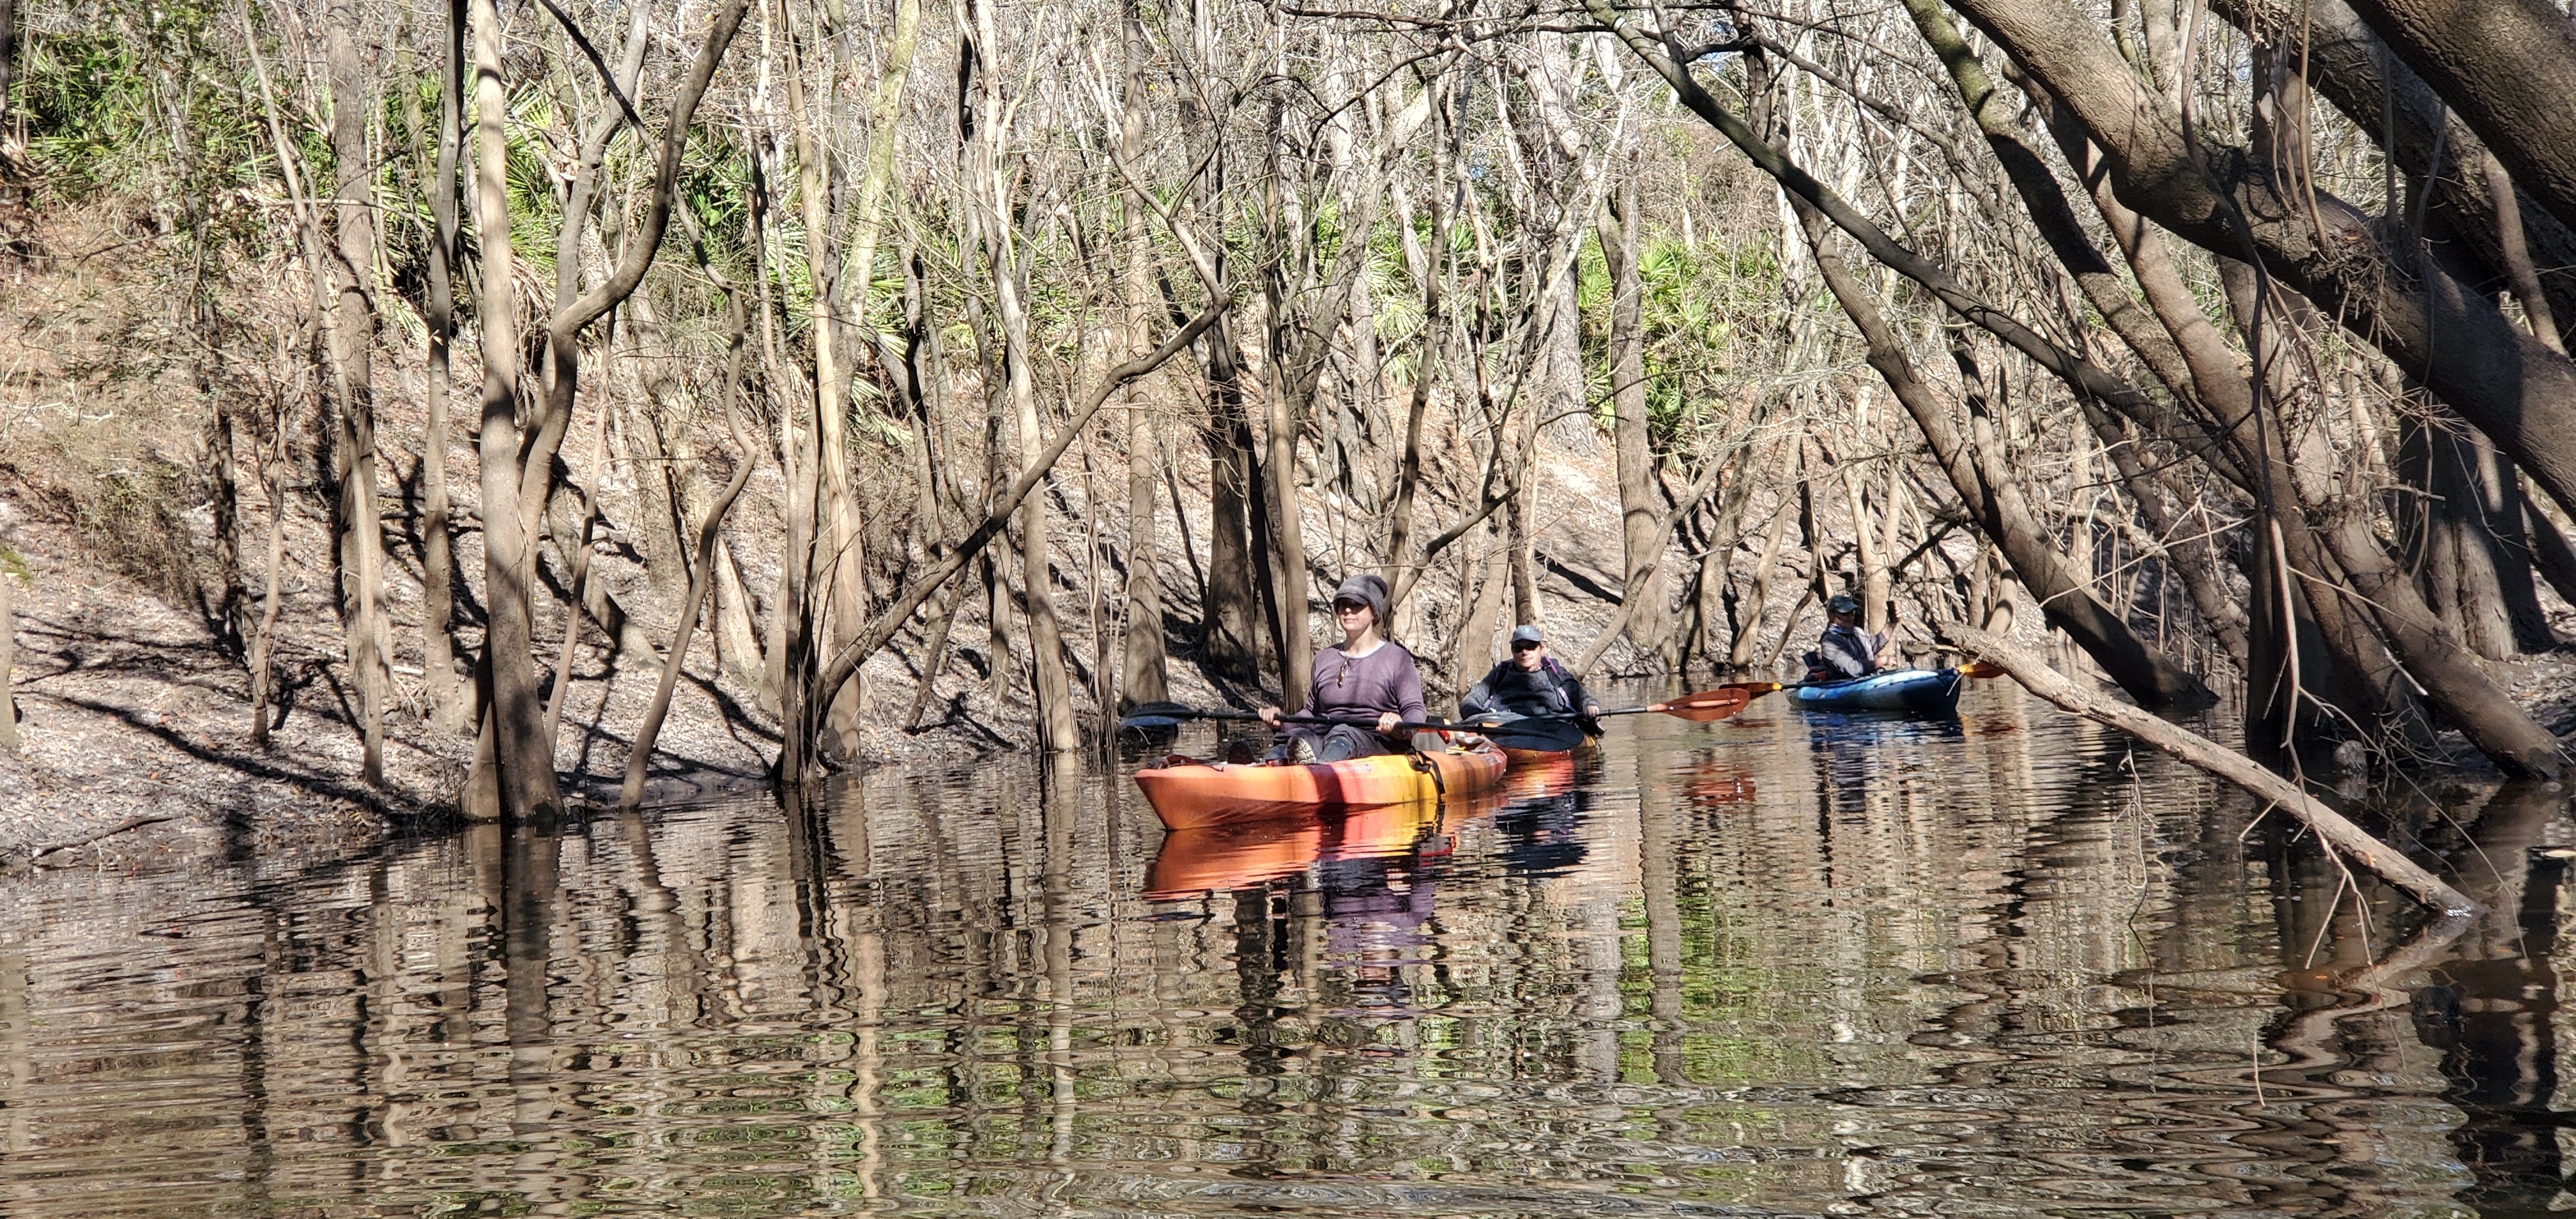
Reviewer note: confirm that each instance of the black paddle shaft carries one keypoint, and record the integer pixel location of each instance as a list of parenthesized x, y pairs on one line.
[(1512, 734)]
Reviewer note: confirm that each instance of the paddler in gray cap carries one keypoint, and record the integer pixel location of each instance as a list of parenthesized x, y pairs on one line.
[(1531, 682), (1847, 652), (1364, 677)]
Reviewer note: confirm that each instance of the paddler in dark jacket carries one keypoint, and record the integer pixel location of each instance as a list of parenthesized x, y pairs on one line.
[(1364, 677), (1530, 683), (1848, 652)]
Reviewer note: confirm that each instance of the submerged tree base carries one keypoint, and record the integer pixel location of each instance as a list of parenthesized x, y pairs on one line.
[(2338, 833)]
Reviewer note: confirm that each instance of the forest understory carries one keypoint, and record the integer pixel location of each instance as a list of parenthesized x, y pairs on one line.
[(133, 706)]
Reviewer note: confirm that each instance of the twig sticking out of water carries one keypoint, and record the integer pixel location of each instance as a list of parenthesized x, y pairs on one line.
[(37, 854), (2180, 742)]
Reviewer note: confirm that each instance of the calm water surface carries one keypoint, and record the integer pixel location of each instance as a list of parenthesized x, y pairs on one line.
[(1775, 965)]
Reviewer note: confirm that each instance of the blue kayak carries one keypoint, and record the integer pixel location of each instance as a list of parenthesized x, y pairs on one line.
[(1921, 691)]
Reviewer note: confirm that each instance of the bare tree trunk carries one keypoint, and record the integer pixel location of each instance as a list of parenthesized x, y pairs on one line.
[(2500, 606), (2509, 67), (1748, 632), (1058, 730), (1871, 583), (231, 617), (639, 756), (1288, 553), (1878, 590), (1520, 516), (513, 712), (2452, 676), (1811, 533), (1476, 634), (449, 694), (1639, 518), (934, 657), (263, 639), (791, 618), (653, 440), (845, 550), (2514, 251), (2450, 530), (361, 530), (8, 68), (8, 594), (1141, 678), (1230, 637), (577, 559), (1427, 260), (2550, 551)]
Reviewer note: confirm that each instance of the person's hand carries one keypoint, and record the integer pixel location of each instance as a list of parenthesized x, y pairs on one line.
[(1269, 715), (1387, 720), (1591, 710)]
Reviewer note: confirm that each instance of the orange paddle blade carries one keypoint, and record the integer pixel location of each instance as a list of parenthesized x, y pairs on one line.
[(1709, 705), (1981, 668)]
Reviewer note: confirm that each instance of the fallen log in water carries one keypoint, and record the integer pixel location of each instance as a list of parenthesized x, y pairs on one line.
[(2180, 742)]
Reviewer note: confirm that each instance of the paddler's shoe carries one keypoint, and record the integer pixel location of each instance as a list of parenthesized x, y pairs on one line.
[(1427, 741), (1238, 753), (1301, 752)]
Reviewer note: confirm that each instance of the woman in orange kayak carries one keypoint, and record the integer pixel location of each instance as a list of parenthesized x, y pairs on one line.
[(1364, 677)]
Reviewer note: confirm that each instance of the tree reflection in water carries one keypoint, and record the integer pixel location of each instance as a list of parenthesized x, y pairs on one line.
[(1780, 964)]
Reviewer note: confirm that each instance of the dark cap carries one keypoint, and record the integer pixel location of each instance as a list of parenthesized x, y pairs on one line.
[(1526, 633), (1843, 603), (1366, 589)]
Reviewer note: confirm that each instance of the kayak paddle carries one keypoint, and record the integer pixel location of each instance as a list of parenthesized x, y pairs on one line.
[(1701, 708), (1544, 736)]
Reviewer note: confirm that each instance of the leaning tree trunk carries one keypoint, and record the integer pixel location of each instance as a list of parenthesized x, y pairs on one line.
[(1995, 499)]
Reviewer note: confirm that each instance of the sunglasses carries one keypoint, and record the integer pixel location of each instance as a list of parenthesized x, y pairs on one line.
[(1527, 646)]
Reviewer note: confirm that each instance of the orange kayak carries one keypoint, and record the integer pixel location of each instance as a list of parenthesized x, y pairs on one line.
[(1186, 793)]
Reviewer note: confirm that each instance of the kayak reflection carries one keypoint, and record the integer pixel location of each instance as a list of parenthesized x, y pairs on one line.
[(1852, 750)]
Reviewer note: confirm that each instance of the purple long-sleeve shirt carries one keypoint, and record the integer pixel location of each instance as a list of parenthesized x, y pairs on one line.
[(1362, 687)]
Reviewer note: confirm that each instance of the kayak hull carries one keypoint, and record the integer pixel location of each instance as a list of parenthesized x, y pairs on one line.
[(1930, 692), (1198, 794), (1521, 759)]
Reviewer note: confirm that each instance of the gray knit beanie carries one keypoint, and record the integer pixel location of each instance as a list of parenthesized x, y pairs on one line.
[(1366, 589)]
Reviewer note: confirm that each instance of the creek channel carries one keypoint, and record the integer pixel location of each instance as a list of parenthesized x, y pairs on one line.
[(1784, 964)]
